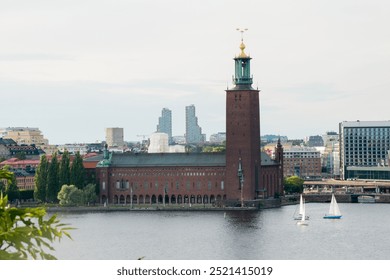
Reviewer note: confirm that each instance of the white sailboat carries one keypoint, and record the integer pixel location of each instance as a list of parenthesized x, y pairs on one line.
[(303, 221), (334, 210), (301, 210)]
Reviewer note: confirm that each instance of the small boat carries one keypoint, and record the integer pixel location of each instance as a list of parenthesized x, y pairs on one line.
[(303, 221), (301, 209), (334, 211), (366, 199)]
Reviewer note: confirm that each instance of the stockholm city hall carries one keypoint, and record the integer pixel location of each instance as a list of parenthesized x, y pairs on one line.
[(239, 177)]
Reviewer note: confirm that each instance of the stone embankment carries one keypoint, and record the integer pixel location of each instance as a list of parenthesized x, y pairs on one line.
[(252, 206), (341, 198)]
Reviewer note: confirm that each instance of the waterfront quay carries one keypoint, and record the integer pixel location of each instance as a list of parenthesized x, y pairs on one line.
[(314, 192), (347, 190)]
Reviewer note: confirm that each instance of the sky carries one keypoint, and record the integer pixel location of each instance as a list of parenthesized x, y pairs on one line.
[(73, 68)]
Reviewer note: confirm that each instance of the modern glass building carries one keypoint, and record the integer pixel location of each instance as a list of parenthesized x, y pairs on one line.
[(193, 130), (363, 144), (368, 173), (165, 123)]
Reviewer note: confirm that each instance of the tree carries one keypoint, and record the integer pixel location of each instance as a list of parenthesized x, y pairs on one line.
[(11, 188), (293, 184), (53, 186), (90, 194), (23, 231), (213, 149), (41, 180), (25, 234), (70, 195), (5, 175), (77, 172), (64, 169)]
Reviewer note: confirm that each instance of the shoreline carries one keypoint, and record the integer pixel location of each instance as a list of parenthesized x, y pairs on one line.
[(86, 209), (260, 205)]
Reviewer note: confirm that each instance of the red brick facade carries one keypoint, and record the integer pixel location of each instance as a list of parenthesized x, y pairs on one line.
[(242, 142), (159, 185)]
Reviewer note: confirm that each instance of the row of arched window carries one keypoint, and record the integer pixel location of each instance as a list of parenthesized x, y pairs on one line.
[(168, 199)]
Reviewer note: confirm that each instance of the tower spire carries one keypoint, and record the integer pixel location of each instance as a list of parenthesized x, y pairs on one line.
[(242, 77), (242, 45)]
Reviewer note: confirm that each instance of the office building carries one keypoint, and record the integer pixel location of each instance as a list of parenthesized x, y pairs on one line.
[(363, 144), (303, 162), (193, 130), (165, 123)]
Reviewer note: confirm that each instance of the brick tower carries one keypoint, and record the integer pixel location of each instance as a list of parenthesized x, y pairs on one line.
[(242, 134)]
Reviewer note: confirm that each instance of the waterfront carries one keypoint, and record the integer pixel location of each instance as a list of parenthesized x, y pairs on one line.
[(271, 234)]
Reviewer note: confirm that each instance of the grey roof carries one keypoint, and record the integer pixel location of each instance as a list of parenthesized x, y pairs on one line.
[(173, 159), (169, 159), (7, 142), (267, 160)]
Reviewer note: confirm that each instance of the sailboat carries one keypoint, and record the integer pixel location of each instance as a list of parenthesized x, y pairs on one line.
[(301, 209), (334, 211), (303, 221)]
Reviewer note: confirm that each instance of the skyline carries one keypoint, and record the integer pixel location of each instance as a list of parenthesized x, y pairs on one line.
[(74, 69)]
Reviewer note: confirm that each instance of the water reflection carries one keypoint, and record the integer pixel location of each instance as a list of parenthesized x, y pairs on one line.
[(243, 220)]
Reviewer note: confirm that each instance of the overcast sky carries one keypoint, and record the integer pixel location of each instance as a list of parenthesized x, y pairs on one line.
[(73, 68)]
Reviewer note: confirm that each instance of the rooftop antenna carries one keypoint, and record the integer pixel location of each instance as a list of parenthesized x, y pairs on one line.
[(242, 30), (242, 45)]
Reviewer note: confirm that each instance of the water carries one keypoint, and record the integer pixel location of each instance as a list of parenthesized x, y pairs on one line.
[(272, 234)]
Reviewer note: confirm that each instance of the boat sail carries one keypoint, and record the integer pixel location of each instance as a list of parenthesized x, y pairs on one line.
[(303, 221), (334, 211), (301, 210)]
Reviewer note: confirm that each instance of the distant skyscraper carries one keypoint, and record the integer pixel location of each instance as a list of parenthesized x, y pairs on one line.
[(165, 123), (193, 130), (114, 137)]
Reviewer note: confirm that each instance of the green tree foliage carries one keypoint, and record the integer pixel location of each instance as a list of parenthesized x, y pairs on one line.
[(77, 172), (25, 234), (70, 195), (214, 149), (26, 194), (90, 195), (64, 172), (2, 187), (53, 186), (7, 176), (10, 188), (41, 180), (293, 184)]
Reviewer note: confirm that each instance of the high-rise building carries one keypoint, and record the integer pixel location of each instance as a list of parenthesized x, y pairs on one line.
[(114, 137), (363, 144), (193, 130), (165, 123)]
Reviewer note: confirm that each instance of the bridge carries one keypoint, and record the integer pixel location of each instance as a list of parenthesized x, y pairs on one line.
[(346, 186)]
